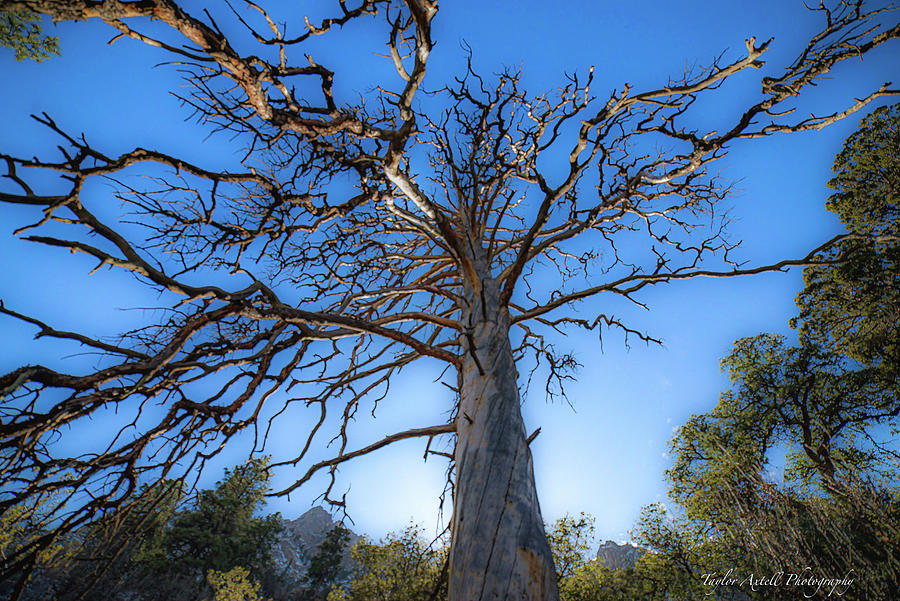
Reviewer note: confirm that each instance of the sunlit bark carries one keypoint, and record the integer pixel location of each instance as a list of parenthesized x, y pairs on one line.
[(499, 548)]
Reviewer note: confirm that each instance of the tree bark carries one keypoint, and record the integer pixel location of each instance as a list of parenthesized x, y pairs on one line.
[(499, 547)]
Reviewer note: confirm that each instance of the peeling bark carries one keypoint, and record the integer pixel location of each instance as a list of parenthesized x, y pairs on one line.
[(499, 549)]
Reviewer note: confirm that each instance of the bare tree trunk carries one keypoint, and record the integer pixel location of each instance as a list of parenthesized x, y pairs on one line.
[(499, 548)]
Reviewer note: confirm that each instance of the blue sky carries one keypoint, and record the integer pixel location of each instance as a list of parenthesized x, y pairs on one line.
[(604, 455)]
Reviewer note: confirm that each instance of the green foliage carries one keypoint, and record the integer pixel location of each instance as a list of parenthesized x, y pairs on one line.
[(570, 541), (155, 549), (21, 31), (233, 585), (582, 578), (834, 508), (220, 532), (587, 582), (680, 552), (829, 405), (23, 523), (96, 558), (823, 408), (113, 544), (19, 524), (852, 306), (326, 566), (597, 582), (399, 568)]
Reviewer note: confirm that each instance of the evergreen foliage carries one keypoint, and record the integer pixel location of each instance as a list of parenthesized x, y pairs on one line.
[(830, 405), (851, 306), (326, 568), (366, 225), (21, 31), (219, 533)]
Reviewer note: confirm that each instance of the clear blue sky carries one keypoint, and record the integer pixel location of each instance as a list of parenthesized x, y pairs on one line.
[(606, 456)]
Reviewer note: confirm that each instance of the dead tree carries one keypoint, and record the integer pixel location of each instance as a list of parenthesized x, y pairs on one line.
[(363, 235)]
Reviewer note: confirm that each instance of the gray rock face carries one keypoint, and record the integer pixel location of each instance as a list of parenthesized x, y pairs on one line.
[(299, 541), (618, 557)]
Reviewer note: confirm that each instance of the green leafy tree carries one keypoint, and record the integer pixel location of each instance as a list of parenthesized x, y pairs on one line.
[(834, 508), (22, 527), (583, 578), (156, 550), (326, 568), (98, 559), (570, 541), (401, 567), (233, 585), (218, 534), (828, 414), (597, 582), (831, 403), (680, 553), (21, 31), (852, 305), (20, 524)]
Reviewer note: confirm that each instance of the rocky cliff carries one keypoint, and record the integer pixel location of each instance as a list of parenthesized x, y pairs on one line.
[(299, 540), (617, 556)]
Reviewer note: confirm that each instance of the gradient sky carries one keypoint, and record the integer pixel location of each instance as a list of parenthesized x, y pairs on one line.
[(607, 452)]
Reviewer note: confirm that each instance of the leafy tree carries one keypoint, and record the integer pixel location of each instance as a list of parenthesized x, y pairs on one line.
[(401, 567), (218, 534), (679, 553), (570, 541), (404, 567), (597, 582), (158, 549), (233, 585), (326, 568), (20, 524), (851, 305), (21, 31), (21, 528), (359, 235), (836, 508), (832, 403), (585, 578)]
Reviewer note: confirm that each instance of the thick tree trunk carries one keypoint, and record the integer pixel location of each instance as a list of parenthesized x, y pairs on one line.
[(499, 548)]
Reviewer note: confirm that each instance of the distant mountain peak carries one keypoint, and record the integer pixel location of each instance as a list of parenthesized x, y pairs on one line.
[(300, 539), (618, 556)]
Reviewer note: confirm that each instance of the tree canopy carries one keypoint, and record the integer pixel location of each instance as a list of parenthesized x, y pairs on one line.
[(21, 31), (829, 405), (326, 568), (851, 305), (219, 532), (458, 224), (400, 566), (164, 546)]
